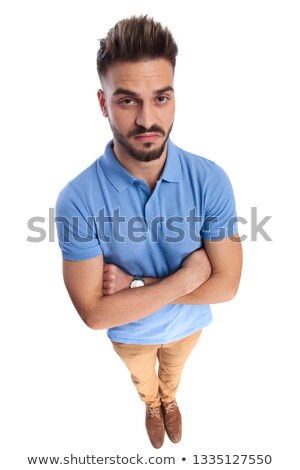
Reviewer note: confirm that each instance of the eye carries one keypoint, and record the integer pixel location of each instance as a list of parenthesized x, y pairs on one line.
[(127, 101), (162, 99)]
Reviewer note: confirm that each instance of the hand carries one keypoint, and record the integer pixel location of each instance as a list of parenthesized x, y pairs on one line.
[(114, 279), (197, 267)]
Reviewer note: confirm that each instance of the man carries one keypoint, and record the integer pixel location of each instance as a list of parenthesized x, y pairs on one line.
[(148, 231)]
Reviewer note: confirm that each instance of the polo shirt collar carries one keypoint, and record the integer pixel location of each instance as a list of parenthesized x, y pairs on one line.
[(121, 179), (172, 168)]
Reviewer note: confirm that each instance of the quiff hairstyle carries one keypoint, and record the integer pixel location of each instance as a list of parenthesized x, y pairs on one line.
[(135, 39)]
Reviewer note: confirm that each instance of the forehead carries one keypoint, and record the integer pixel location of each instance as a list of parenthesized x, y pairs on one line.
[(142, 76)]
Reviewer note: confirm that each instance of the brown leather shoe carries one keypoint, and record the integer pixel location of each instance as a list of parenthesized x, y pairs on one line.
[(173, 422), (155, 426)]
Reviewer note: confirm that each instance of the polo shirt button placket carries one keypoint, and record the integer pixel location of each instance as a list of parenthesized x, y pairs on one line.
[(153, 216)]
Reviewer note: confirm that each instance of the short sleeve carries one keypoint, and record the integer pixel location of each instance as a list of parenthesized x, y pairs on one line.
[(220, 211), (76, 227)]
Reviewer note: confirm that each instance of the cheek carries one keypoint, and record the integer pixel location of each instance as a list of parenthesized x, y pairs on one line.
[(169, 118), (170, 111), (121, 118)]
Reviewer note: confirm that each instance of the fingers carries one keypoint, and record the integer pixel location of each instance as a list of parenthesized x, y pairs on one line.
[(110, 269), (114, 279), (109, 272), (108, 289), (109, 279)]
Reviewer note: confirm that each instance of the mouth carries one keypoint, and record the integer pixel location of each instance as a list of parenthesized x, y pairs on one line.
[(147, 137)]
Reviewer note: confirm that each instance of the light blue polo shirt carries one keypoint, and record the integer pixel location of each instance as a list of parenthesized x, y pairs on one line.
[(107, 210)]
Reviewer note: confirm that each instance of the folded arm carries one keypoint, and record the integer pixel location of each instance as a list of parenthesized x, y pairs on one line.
[(225, 257), (83, 280), (220, 274)]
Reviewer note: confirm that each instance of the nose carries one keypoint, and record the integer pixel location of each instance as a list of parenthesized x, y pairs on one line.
[(145, 116)]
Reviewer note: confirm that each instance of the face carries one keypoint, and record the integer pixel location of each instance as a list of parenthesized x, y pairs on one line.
[(138, 100)]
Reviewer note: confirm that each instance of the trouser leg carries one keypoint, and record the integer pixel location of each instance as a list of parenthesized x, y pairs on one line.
[(171, 358), (140, 360)]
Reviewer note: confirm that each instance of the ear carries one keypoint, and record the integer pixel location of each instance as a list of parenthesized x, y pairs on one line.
[(102, 102)]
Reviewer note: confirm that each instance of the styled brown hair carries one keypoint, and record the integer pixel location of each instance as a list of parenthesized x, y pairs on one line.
[(134, 39)]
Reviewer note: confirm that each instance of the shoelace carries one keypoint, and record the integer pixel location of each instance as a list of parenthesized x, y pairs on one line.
[(153, 412), (170, 407)]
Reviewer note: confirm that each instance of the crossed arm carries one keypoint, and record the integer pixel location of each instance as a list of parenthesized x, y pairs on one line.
[(101, 296)]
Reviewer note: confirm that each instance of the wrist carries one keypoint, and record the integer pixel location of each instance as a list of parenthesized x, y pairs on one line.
[(191, 279), (136, 281), (183, 282)]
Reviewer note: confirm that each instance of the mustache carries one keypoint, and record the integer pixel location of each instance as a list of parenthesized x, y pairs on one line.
[(142, 130)]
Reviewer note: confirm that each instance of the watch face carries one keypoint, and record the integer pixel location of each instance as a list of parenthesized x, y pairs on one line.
[(137, 283)]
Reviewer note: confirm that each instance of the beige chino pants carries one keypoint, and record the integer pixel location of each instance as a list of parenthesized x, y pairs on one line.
[(140, 360)]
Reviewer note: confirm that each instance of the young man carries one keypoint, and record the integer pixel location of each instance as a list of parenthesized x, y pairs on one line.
[(148, 231)]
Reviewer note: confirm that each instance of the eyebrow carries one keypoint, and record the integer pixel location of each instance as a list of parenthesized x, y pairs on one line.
[(125, 91)]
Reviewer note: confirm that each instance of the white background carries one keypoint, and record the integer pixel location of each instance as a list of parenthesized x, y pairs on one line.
[(63, 389)]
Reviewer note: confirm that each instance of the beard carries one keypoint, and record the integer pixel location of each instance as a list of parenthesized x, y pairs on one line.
[(147, 154)]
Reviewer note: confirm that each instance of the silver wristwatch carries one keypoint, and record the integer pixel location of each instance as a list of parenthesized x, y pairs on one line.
[(137, 281)]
